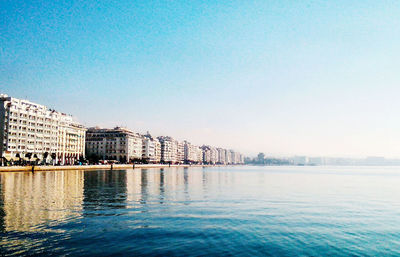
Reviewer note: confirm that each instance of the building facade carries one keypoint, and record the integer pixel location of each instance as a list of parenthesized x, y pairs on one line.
[(157, 147), (33, 132), (210, 154), (151, 149), (118, 144), (221, 156), (193, 154), (180, 152), (213, 155), (168, 149)]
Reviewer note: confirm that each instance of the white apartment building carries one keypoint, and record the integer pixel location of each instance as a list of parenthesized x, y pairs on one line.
[(228, 157), (119, 144), (206, 154), (151, 149), (221, 156), (168, 149), (180, 152), (189, 155), (30, 132), (199, 155), (71, 140), (210, 154), (157, 150), (213, 155), (193, 154), (237, 158)]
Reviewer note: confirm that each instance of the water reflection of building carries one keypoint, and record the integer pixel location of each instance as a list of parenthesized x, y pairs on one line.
[(30, 200), (148, 186), (141, 184), (104, 189)]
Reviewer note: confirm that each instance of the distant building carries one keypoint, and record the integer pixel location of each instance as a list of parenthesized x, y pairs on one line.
[(168, 149), (300, 160), (150, 147), (157, 150), (221, 156), (206, 154), (213, 155), (180, 152), (32, 132), (237, 158), (316, 161), (242, 159), (210, 154), (199, 155), (119, 144), (228, 157), (193, 154)]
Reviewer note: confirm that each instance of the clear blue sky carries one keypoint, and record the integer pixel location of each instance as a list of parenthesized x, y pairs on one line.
[(282, 77)]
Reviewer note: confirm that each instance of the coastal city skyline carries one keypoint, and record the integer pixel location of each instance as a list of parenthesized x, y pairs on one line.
[(293, 158), (33, 133), (267, 159)]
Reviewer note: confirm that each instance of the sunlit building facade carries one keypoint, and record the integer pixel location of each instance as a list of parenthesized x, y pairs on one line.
[(168, 149), (193, 153), (119, 144), (213, 155), (151, 149), (33, 132), (221, 156), (180, 152), (157, 150)]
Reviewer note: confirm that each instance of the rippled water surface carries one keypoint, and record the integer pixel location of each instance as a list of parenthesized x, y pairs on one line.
[(247, 211)]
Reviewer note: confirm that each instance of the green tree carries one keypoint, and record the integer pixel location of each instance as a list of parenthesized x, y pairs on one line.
[(260, 158)]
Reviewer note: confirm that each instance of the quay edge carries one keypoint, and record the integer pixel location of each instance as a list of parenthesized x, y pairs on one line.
[(96, 167)]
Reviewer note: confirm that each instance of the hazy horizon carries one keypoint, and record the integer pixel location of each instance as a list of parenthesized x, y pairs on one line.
[(312, 78)]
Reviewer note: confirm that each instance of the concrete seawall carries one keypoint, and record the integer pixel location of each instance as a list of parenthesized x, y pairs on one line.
[(94, 167)]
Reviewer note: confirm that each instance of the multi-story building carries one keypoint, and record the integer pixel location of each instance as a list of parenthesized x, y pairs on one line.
[(119, 144), (180, 152), (213, 155), (193, 154), (32, 132), (206, 154), (237, 158), (199, 155), (221, 156), (228, 157), (233, 156), (189, 154), (241, 159), (71, 140), (157, 150), (151, 149), (168, 149), (210, 154), (137, 146)]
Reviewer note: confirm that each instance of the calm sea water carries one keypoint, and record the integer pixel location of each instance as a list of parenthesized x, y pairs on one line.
[(246, 211)]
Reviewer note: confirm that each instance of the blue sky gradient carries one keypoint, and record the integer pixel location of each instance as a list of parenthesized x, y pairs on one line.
[(282, 77)]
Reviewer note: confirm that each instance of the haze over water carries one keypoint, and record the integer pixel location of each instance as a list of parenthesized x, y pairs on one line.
[(202, 211)]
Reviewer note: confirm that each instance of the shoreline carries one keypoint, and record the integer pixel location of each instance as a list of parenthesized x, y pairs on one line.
[(98, 167)]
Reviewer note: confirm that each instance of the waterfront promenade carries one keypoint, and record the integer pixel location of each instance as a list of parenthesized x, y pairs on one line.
[(96, 167)]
